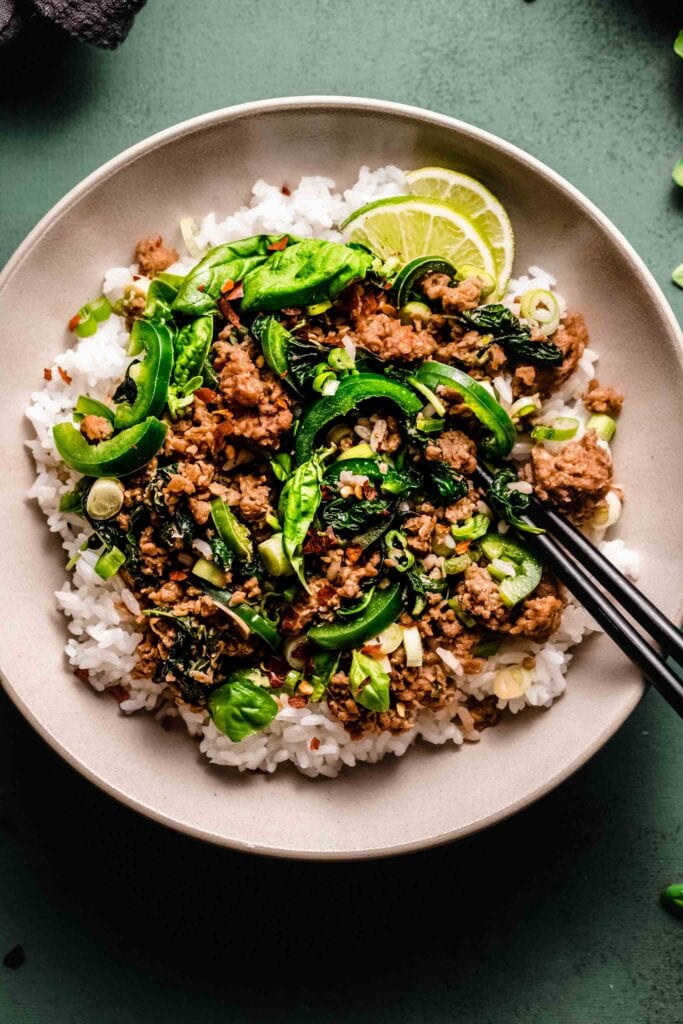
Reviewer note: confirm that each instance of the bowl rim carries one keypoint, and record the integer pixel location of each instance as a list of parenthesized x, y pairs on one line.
[(330, 102)]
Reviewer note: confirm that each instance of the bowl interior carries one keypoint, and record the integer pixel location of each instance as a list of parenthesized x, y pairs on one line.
[(433, 794)]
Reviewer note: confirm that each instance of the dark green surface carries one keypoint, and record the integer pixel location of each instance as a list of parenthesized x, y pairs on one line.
[(551, 917)]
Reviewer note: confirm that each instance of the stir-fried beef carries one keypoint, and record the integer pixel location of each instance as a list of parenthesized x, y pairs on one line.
[(153, 257)]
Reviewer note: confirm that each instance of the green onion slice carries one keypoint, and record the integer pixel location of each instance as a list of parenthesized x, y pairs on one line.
[(541, 305), (564, 428), (108, 564), (604, 426)]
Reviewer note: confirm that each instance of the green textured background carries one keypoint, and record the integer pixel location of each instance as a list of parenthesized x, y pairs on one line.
[(550, 917)]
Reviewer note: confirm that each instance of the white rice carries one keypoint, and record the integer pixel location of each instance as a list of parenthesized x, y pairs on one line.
[(102, 626)]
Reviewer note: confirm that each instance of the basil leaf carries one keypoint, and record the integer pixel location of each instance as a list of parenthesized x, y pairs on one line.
[(299, 503), (448, 484), (369, 683), (512, 335), (348, 515), (201, 288), (510, 505), (240, 707), (304, 274)]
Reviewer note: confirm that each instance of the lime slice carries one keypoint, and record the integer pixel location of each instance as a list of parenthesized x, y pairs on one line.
[(405, 227), (469, 197)]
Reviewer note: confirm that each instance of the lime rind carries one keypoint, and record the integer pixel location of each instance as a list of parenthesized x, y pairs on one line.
[(472, 199), (406, 227)]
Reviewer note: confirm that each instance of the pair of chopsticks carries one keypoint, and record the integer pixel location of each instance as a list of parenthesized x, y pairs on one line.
[(600, 587)]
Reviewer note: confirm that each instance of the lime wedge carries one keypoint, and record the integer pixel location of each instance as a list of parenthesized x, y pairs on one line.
[(469, 197), (405, 227)]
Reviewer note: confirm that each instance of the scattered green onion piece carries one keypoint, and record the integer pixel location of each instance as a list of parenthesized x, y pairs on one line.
[(108, 564), (105, 498), (453, 566), (412, 643), (443, 544), (541, 305), (511, 682), (86, 327), (414, 311), (188, 229), (473, 528), (564, 428), (433, 399), (468, 270), (339, 359), (208, 571), (466, 619), (604, 426), (429, 425), (292, 680), (677, 275), (677, 173), (317, 308), (100, 309), (523, 407), (359, 451), (390, 639), (273, 556), (322, 379)]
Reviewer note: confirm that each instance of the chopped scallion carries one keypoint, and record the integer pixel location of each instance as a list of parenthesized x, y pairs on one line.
[(604, 426), (108, 564), (564, 428)]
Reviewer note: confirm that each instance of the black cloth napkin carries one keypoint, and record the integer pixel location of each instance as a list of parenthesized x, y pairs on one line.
[(102, 22)]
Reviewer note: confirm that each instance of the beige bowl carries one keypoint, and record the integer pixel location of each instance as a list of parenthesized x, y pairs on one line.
[(433, 794)]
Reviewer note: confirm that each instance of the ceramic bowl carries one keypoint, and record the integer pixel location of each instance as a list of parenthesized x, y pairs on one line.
[(433, 794)]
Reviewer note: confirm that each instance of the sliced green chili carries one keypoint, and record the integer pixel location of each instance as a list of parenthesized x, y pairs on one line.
[(514, 589), (153, 377), (351, 391), (488, 411), (120, 455), (383, 609)]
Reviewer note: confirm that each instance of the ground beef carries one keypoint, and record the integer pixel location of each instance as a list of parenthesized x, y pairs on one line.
[(346, 572), (464, 508), (466, 347), (571, 338), (198, 435), (540, 614), (321, 600), (96, 428), (455, 449), (575, 479), (153, 558), (419, 530), (389, 339), (257, 408), (479, 596), (458, 299), (251, 495), (152, 256), (599, 399)]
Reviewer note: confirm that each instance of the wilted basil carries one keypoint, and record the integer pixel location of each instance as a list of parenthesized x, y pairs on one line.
[(304, 274), (369, 682), (512, 335), (240, 706)]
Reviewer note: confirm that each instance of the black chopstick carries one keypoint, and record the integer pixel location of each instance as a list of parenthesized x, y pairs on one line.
[(597, 603)]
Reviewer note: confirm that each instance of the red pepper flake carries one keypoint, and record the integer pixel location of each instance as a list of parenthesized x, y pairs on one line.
[(64, 375), (229, 313), (236, 293), (298, 702), (178, 575), (369, 491), (201, 287), (325, 595), (227, 286), (462, 546), (118, 693), (205, 395), (279, 245), (314, 744), (317, 543), (47, 373), (372, 650), (276, 681), (353, 554), (74, 322), (285, 191), (82, 674)]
